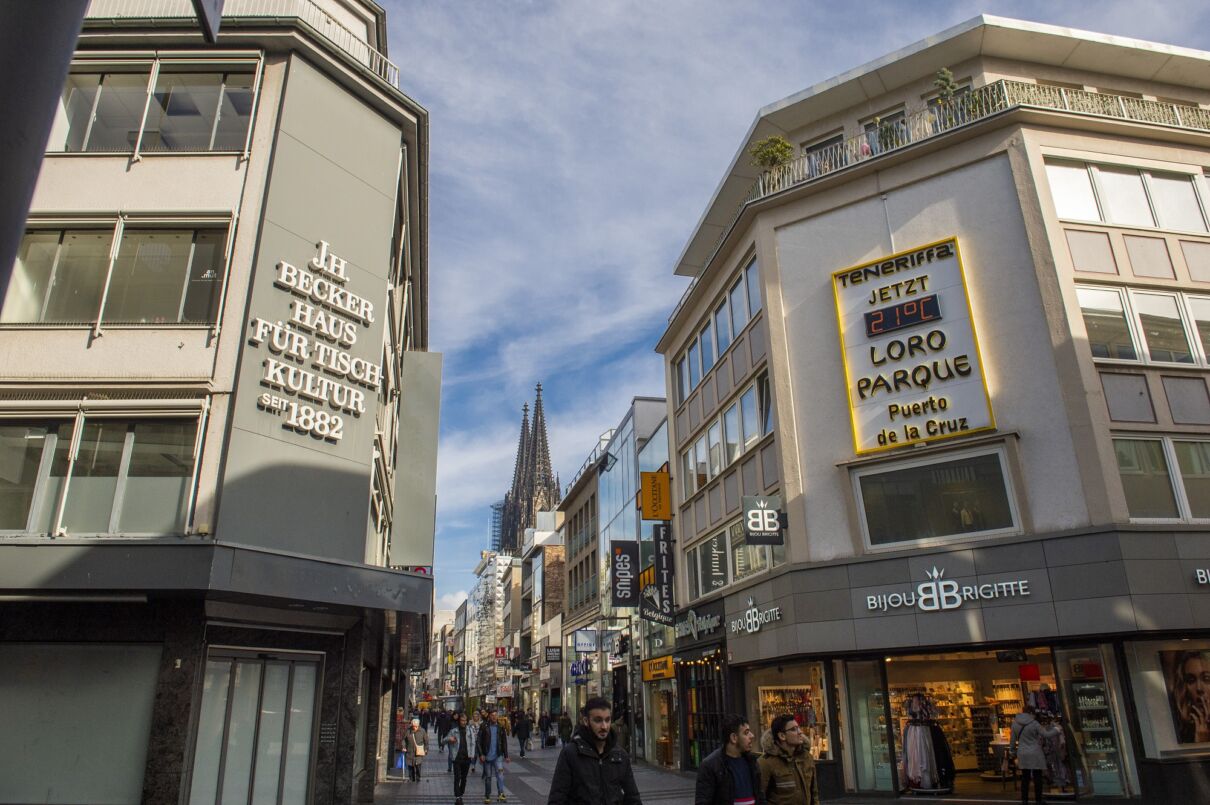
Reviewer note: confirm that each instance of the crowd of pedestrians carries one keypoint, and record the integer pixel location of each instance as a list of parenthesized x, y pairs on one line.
[(593, 767)]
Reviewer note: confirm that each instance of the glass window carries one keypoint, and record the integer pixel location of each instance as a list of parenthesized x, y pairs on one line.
[(1124, 198), (1105, 321), (707, 347), (159, 468), (1200, 308), (739, 305), (198, 112), (75, 109), (722, 327), (715, 443), (1193, 458), (712, 563), (1162, 329), (695, 580), (699, 450), (32, 274), (24, 449), (1072, 191), (752, 282), (682, 381), (966, 495), (111, 122), (234, 113), (745, 559), (731, 434), (688, 475), (766, 404), (150, 277), (94, 477), (1176, 202), (1145, 478), (74, 294), (691, 359), (748, 412)]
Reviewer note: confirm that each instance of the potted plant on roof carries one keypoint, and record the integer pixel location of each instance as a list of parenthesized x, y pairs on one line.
[(772, 155), (943, 110)]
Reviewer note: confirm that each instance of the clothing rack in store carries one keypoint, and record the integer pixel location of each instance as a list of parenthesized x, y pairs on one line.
[(928, 765)]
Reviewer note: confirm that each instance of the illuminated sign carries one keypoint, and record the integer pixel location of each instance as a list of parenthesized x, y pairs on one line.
[(911, 356), (659, 668)]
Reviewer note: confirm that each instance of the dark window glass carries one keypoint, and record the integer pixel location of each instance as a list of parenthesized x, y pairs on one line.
[(1145, 478)]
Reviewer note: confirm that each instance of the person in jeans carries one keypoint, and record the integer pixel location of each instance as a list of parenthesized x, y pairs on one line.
[(544, 728), (1026, 747), (521, 729), (493, 754), (460, 751), (729, 775)]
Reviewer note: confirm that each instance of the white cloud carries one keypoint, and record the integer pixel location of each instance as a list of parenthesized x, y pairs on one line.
[(451, 600)]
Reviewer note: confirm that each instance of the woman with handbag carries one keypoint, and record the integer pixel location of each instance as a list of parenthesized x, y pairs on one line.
[(418, 747)]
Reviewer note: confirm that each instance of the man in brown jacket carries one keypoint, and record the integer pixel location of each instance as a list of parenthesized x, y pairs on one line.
[(787, 770)]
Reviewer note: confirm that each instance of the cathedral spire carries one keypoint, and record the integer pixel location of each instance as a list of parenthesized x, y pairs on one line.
[(535, 487)]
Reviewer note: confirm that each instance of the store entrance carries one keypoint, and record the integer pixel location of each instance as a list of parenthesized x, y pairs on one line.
[(952, 716)]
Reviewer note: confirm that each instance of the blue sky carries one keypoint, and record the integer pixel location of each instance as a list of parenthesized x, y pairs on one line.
[(573, 147)]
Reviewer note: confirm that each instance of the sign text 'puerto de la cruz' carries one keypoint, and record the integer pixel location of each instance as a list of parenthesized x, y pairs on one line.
[(910, 353), (308, 358)]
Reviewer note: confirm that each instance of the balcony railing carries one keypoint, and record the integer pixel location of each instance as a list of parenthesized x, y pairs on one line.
[(306, 11), (940, 118)]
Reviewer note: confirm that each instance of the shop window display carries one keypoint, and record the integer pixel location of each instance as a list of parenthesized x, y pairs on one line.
[(797, 690), (1171, 679)]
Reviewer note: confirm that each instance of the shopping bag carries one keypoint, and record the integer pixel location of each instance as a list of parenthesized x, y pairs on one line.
[(420, 750)]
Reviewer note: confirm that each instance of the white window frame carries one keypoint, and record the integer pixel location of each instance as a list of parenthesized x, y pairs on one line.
[(1197, 179), (1134, 324), (691, 555), (1175, 479), (881, 468)]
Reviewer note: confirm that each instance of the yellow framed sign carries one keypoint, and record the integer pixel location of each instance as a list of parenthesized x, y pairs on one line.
[(912, 365), (659, 668)]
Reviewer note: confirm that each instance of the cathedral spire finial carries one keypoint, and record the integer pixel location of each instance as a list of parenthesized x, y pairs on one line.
[(535, 487)]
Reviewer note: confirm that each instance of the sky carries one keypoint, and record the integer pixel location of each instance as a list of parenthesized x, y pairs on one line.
[(573, 147)]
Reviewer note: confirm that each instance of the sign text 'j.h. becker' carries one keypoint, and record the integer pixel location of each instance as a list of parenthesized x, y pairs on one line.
[(309, 358)]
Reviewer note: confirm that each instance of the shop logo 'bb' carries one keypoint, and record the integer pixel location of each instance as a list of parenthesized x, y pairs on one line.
[(938, 593)]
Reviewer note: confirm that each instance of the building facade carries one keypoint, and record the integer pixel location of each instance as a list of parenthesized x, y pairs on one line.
[(960, 340), (217, 415), (541, 601)]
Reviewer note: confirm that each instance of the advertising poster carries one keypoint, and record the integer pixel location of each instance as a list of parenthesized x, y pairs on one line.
[(1187, 677)]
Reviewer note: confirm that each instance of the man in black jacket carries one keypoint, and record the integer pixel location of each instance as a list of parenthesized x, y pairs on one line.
[(729, 775), (592, 769)]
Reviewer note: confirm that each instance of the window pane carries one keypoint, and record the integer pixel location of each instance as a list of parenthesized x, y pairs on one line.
[(234, 114), (1145, 478), (48, 501), (682, 381), (745, 559), (21, 448), (766, 404), (752, 280), (739, 305), (1105, 321), (182, 112), (712, 563), (691, 359), (149, 276), (715, 439), (241, 731), (205, 277), (1194, 460), (1176, 202), (707, 346), (208, 749), (695, 582), (119, 112), (1163, 331), (1124, 198), (747, 406), (966, 495), (31, 277), (94, 478), (731, 433), (699, 450), (300, 735), (1200, 308), (75, 290), (272, 724), (1072, 191), (688, 474), (157, 480), (75, 108), (722, 326)]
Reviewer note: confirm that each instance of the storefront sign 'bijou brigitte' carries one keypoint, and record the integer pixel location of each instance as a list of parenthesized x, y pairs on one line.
[(940, 593)]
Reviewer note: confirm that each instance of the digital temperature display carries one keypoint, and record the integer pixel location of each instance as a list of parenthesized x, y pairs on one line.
[(904, 314)]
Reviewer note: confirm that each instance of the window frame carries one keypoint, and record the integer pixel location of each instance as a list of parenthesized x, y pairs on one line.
[(692, 355), (694, 580), (1176, 479), (999, 449), (1126, 294), (1146, 177), (196, 410)]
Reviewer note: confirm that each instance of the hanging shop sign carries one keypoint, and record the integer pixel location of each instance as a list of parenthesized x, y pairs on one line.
[(554, 654), (658, 668), (655, 582), (502, 657), (753, 618), (314, 377), (911, 356), (489, 698), (700, 624), (940, 593), (764, 521), (504, 690), (585, 640), (624, 572), (655, 495)]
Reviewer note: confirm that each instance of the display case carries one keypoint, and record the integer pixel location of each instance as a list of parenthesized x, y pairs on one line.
[(880, 749), (806, 704)]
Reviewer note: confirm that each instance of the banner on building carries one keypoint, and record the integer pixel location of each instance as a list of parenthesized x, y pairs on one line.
[(554, 654), (655, 495), (656, 596), (764, 521), (624, 572)]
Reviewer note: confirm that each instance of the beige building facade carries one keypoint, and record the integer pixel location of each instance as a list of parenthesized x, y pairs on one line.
[(964, 337)]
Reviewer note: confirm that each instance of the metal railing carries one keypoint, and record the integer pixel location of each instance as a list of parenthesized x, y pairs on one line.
[(941, 118), (306, 11)]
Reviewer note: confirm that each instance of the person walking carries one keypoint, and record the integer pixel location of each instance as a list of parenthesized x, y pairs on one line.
[(787, 770), (521, 730), (729, 775), (564, 728), (461, 750), (418, 746), (544, 728), (592, 768), (492, 744), (1026, 746)]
